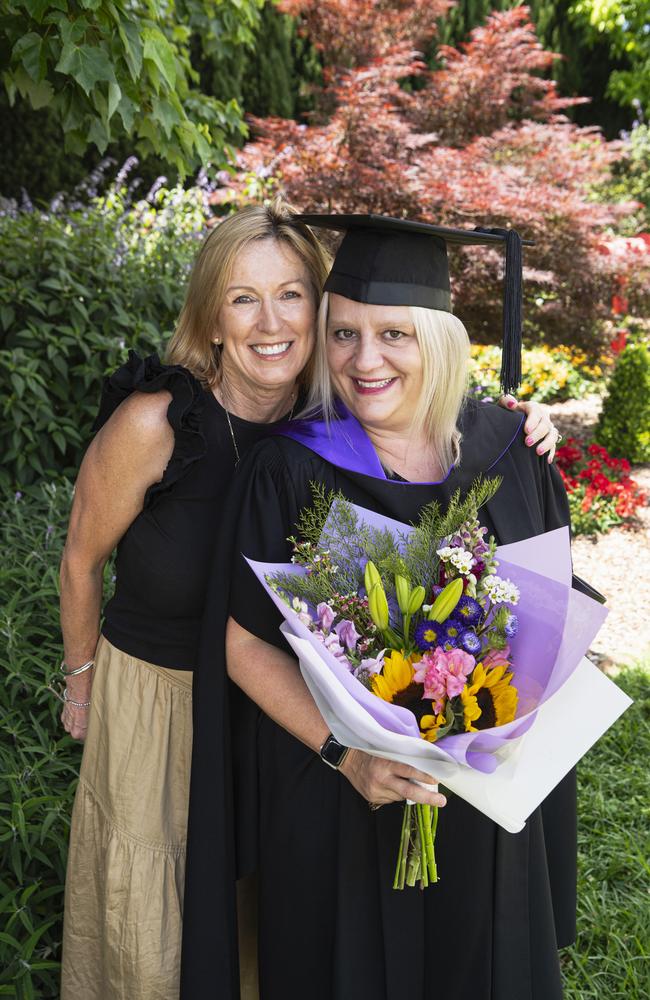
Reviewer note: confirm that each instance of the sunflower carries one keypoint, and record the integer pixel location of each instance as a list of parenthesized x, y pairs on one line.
[(430, 724), (489, 697), (395, 682), (471, 711)]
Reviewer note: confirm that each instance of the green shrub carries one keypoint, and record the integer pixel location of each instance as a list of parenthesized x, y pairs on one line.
[(630, 181), (79, 285), (38, 761), (624, 426)]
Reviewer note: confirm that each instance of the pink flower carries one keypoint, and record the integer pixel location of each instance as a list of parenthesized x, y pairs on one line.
[(443, 674), (325, 616), (459, 666), (497, 658)]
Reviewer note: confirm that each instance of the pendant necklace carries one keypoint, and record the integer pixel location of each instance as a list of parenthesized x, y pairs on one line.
[(231, 429)]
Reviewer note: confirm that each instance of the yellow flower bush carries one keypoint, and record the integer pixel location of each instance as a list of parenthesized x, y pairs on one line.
[(549, 374)]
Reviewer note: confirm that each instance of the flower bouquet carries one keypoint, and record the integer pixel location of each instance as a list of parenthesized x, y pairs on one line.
[(409, 642)]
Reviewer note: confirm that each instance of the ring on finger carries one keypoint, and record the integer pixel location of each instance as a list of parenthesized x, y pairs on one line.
[(374, 806)]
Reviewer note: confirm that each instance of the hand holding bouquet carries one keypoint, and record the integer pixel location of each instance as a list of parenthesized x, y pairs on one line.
[(415, 638)]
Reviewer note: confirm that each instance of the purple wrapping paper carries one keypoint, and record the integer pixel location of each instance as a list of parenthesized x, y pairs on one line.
[(556, 626)]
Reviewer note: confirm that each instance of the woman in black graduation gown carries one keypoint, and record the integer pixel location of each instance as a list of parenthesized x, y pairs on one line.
[(331, 926)]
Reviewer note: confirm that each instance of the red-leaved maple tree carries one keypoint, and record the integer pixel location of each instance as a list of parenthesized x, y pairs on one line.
[(481, 140)]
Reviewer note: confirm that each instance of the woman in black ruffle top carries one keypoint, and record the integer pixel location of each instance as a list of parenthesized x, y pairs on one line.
[(152, 485)]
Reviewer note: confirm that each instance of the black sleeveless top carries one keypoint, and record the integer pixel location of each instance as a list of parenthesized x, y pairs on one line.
[(164, 558)]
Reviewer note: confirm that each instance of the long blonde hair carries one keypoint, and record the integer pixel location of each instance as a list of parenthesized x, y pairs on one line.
[(444, 348), (192, 342)]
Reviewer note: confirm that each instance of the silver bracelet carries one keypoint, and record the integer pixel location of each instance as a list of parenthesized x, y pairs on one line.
[(77, 670), (77, 704)]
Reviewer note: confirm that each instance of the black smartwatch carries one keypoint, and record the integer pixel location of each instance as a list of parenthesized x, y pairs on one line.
[(333, 753)]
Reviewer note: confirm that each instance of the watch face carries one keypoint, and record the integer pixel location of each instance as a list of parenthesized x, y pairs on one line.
[(332, 752)]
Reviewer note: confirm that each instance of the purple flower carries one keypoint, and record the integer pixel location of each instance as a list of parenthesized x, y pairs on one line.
[(325, 616), (453, 628), (469, 641), (511, 626), (333, 645), (347, 634), (428, 635), (372, 665), (468, 610)]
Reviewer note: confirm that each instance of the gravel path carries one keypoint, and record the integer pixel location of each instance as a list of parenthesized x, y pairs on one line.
[(617, 564)]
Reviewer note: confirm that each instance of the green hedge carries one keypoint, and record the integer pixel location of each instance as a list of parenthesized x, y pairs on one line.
[(79, 286), (624, 426)]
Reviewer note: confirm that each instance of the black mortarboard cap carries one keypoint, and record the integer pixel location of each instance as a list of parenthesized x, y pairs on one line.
[(390, 262)]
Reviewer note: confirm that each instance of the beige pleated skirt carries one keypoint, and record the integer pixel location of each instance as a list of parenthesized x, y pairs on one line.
[(126, 865), (126, 862)]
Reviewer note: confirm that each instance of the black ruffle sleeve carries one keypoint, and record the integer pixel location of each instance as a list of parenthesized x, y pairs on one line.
[(184, 414)]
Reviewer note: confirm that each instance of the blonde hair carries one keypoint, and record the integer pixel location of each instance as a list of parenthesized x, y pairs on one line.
[(444, 348), (191, 344)]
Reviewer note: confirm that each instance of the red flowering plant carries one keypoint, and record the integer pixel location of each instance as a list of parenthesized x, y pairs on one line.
[(482, 136), (602, 494)]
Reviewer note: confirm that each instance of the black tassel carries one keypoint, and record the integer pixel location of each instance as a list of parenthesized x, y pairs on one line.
[(512, 308)]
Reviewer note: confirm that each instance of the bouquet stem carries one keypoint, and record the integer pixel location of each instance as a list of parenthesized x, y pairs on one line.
[(416, 856)]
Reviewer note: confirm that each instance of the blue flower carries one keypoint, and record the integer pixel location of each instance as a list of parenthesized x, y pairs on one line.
[(511, 627), (451, 642), (469, 641), (454, 628), (468, 610), (429, 634)]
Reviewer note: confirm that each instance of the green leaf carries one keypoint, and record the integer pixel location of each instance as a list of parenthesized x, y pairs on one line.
[(7, 315), (130, 38), (39, 94), (29, 51), (165, 114), (75, 141), (126, 110), (114, 98), (10, 87), (86, 64), (36, 8), (158, 51), (59, 441), (73, 30)]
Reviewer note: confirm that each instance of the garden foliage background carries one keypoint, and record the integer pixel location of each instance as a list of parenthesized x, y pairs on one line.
[(462, 113)]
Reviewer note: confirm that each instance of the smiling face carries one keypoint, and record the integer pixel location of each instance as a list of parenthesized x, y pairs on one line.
[(267, 319), (375, 362)]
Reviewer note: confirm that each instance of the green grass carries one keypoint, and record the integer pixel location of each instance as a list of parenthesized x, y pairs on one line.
[(611, 957), (39, 765)]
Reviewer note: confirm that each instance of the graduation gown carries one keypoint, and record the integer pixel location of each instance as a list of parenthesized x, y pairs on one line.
[(331, 926)]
